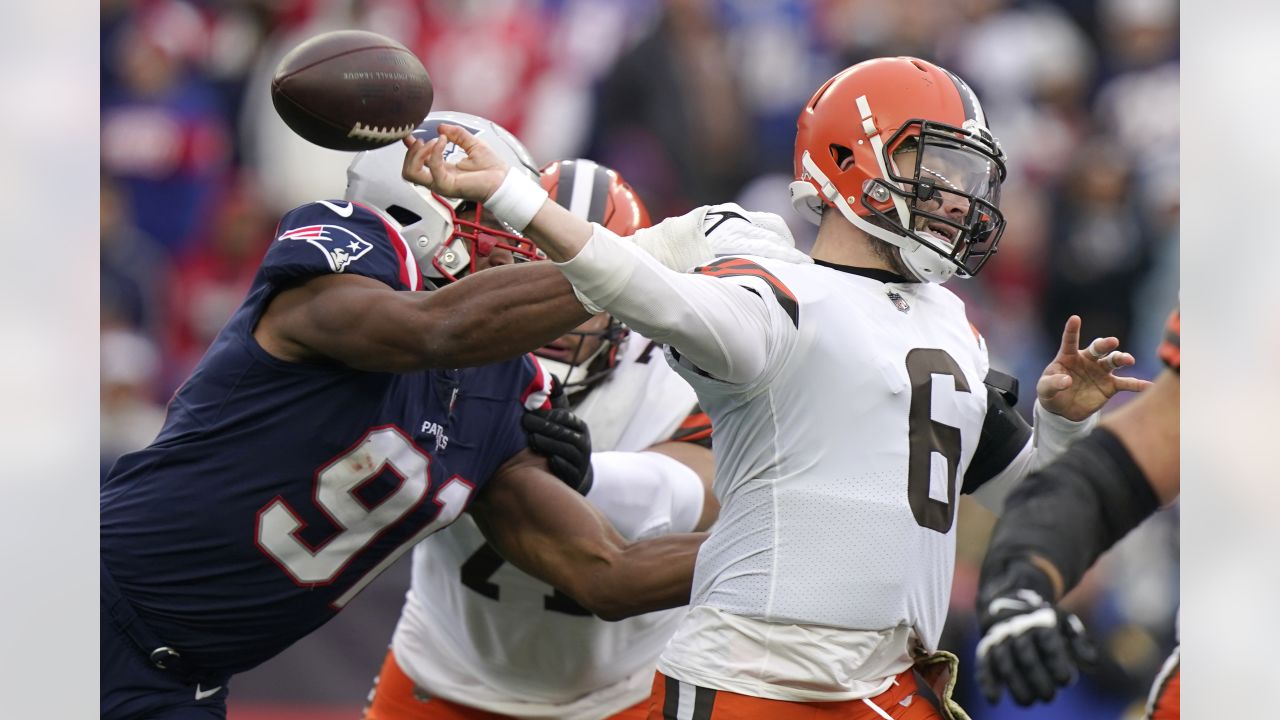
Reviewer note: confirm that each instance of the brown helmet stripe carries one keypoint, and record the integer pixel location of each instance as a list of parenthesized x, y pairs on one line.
[(968, 99)]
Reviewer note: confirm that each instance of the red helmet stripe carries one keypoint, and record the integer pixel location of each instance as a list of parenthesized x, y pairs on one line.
[(409, 273)]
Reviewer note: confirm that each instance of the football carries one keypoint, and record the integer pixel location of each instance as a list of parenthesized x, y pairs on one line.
[(351, 90)]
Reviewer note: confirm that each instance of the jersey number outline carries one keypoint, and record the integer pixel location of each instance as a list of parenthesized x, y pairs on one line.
[(485, 561), (359, 525), (927, 436)]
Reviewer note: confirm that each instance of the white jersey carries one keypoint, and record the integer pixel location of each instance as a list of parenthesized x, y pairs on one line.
[(838, 470), (477, 631), (848, 408)]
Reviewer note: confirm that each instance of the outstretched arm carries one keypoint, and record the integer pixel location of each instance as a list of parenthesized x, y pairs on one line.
[(362, 323), (1067, 514), (717, 325), (547, 530), (1056, 524)]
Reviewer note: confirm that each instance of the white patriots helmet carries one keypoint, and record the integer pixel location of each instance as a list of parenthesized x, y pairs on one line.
[(446, 235)]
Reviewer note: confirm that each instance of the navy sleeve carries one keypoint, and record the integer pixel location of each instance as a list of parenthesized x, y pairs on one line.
[(338, 236)]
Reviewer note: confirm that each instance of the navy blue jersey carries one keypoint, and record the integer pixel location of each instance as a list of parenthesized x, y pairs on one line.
[(276, 491)]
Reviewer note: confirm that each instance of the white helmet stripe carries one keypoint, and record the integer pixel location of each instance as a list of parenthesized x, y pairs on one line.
[(583, 182), (877, 147)]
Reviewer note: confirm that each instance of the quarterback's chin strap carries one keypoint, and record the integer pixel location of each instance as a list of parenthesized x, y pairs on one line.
[(926, 264)]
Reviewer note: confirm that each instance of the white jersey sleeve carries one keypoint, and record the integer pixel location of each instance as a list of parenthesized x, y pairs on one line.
[(646, 494), (735, 331)]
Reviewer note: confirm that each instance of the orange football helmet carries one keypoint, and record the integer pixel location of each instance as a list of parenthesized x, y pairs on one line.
[(600, 195), (596, 193), (901, 148)]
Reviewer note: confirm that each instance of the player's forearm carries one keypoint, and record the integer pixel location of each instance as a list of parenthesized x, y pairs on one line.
[(714, 325), (495, 315), (1149, 428), (647, 576), (1072, 511), (1055, 433), (557, 232), (1051, 436), (549, 531)]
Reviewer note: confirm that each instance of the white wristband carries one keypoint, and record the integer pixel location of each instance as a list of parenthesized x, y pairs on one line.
[(516, 200)]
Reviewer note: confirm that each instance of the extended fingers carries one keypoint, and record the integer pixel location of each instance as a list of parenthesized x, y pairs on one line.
[(456, 133), (414, 169), (1115, 360), (1071, 335), (459, 136), (1099, 348), (1129, 384), (435, 152)]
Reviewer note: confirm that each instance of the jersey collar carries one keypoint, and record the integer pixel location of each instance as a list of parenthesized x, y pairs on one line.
[(886, 276)]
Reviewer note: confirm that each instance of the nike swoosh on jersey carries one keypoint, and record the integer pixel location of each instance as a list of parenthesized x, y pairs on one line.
[(202, 694), (343, 211)]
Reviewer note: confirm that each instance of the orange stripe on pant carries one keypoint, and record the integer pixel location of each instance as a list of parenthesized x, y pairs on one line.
[(394, 697), (701, 704), (1168, 704)]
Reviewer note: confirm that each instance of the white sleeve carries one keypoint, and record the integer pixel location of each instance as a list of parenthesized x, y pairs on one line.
[(1051, 435), (645, 494), (727, 327)]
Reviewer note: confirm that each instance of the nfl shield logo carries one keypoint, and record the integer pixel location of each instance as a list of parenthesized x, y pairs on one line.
[(899, 302)]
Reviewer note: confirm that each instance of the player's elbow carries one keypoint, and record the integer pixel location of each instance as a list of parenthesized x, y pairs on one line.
[(604, 598), (608, 606)]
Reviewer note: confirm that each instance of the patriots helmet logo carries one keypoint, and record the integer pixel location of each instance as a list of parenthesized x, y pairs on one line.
[(340, 246)]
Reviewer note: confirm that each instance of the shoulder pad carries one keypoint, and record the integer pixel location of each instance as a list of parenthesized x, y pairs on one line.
[(738, 267), (733, 230), (339, 236)]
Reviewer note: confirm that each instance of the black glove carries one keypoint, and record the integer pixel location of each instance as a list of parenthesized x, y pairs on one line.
[(563, 438), (1028, 645)]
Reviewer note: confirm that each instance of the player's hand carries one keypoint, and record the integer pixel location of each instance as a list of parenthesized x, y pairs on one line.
[(1077, 383), (475, 177), (564, 439), (1028, 645)]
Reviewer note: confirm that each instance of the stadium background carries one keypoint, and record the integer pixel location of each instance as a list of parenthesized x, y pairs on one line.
[(694, 101)]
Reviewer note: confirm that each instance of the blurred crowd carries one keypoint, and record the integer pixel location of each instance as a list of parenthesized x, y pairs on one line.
[(694, 101)]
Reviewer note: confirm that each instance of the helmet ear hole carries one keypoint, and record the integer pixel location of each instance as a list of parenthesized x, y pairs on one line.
[(403, 215), (842, 155)]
